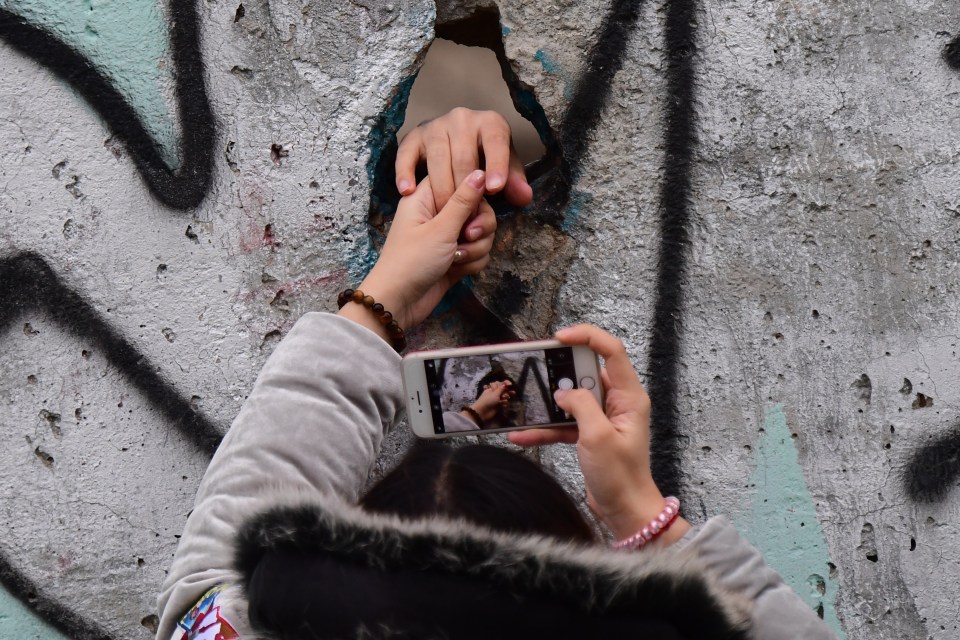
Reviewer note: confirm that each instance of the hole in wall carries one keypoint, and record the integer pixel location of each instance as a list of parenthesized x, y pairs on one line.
[(466, 65), (457, 75)]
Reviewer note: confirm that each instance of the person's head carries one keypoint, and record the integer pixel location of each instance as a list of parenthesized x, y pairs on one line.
[(488, 486)]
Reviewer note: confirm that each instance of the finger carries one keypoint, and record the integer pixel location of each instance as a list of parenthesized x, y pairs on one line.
[(591, 420), (533, 437), (464, 156), (518, 190), (473, 250), (483, 224), (437, 147), (605, 379), (620, 370), (495, 141), (460, 206), (409, 154), (468, 268)]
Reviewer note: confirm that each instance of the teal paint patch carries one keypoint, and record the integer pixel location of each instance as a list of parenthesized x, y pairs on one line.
[(17, 621), (128, 41), (453, 298), (362, 259), (579, 200), (391, 119), (504, 30), (550, 66), (781, 520), (546, 61)]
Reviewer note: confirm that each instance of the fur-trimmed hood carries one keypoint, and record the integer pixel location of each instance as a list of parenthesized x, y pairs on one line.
[(316, 570)]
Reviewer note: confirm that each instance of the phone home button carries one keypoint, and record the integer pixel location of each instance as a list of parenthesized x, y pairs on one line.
[(587, 382)]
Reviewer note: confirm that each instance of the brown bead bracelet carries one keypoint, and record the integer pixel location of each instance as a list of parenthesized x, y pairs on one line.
[(475, 415), (394, 330)]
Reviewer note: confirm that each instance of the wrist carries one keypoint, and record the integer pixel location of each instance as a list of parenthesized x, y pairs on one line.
[(664, 522), (361, 307), (636, 514), (389, 294), (471, 413)]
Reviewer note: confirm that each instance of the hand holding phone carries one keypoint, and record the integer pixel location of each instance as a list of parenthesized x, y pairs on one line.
[(613, 439), (495, 388)]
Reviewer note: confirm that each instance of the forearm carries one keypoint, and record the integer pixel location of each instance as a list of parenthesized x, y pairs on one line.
[(312, 424)]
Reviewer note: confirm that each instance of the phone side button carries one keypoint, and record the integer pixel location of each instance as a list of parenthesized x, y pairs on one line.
[(587, 382)]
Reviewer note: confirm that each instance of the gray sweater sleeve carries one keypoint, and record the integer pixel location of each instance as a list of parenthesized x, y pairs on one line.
[(313, 424), (778, 612)]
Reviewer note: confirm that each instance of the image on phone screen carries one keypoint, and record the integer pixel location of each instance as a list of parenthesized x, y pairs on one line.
[(501, 390)]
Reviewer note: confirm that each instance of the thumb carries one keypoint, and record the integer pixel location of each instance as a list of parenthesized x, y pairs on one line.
[(462, 204), (583, 405)]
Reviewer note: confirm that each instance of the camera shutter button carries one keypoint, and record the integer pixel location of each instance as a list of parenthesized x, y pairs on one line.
[(565, 383)]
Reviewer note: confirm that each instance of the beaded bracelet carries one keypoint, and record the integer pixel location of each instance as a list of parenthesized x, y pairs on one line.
[(657, 526), (394, 330), (473, 414)]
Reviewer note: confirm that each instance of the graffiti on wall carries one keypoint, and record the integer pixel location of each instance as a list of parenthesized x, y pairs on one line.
[(34, 283), (182, 187)]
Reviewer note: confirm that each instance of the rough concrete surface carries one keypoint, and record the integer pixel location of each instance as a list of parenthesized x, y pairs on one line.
[(800, 211)]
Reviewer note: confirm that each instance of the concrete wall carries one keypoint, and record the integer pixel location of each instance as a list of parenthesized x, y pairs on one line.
[(759, 197)]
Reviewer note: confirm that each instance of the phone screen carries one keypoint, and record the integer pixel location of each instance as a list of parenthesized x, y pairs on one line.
[(494, 391)]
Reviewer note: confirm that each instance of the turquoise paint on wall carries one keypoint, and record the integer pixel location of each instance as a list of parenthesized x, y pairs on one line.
[(128, 41), (16, 621), (550, 66), (781, 520)]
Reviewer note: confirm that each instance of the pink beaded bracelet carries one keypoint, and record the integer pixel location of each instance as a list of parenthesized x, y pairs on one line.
[(657, 526)]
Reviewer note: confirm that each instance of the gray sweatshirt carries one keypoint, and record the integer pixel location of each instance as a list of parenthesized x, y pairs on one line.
[(313, 425)]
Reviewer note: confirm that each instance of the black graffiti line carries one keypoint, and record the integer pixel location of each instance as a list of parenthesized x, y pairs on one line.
[(29, 284), (591, 95), (934, 468), (530, 364), (680, 142), (951, 53), (182, 189), (593, 87), (72, 624)]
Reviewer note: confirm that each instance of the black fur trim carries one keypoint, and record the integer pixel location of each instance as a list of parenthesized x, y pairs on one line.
[(592, 580)]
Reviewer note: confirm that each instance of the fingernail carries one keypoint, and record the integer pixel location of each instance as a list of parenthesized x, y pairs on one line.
[(404, 186), (458, 255), (496, 181), (475, 179), (473, 234), (558, 394), (562, 332)]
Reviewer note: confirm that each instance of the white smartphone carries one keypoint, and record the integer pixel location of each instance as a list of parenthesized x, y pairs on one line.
[(495, 388)]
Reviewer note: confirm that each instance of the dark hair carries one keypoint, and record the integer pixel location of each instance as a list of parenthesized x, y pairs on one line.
[(496, 374), (486, 485)]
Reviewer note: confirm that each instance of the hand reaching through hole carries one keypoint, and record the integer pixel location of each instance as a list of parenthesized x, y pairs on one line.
[(424, 254), (457, 143), (496, 394)]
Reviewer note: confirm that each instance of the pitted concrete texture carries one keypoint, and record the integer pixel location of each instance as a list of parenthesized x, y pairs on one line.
[(811, 364)]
